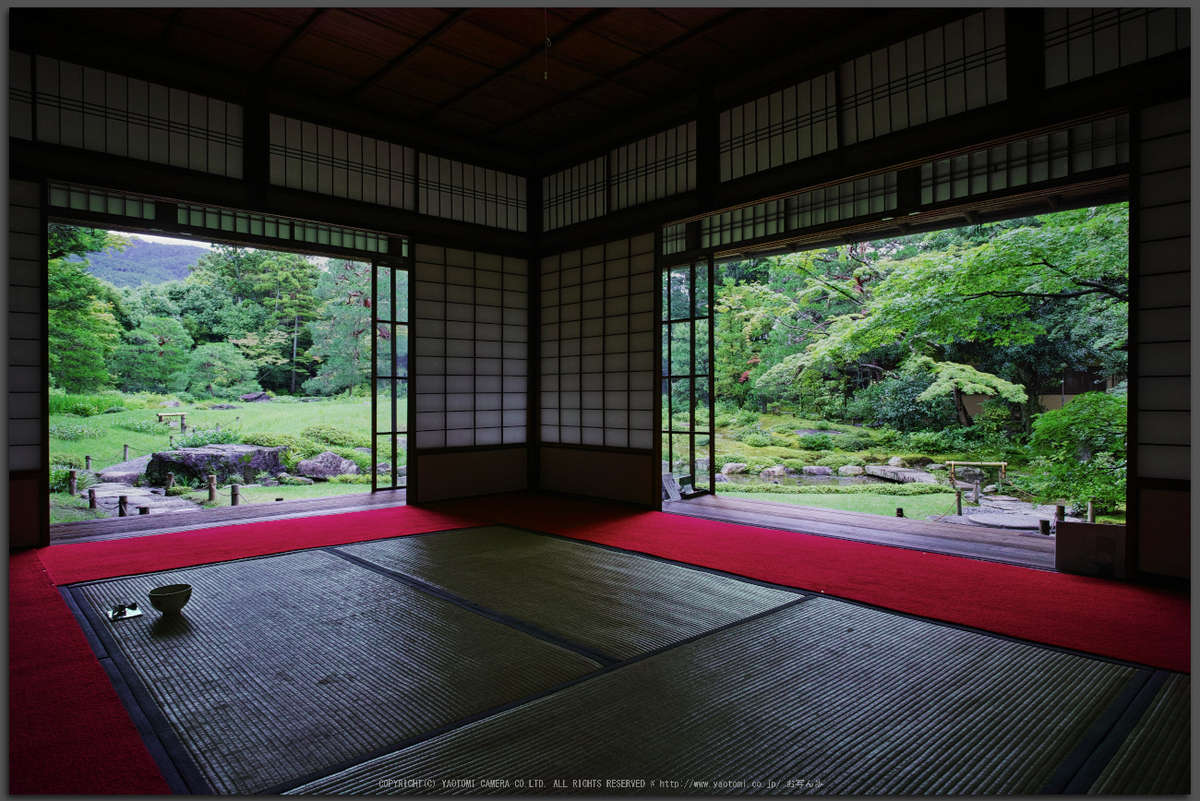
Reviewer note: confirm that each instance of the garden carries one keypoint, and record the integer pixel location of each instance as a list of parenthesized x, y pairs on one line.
[(953, 345)]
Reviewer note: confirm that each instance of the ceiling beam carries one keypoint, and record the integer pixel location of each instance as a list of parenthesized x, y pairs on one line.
[(172, 25), (533, 53), (454, 18), (291, 40), (699, 30)]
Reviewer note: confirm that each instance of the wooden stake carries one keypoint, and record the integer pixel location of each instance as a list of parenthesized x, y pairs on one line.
[(91, 499), (212, 488), (1091, 512), (1044, 526), (72, 482), (87, 462), (899, 511), (122, 506), (958, 502), (127, 453), (143, 510), (170, 480), (234, 495)]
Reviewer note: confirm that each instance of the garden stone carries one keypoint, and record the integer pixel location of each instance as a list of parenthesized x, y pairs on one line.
[(297, 480), (124, 472), (818, 470), (228, 462), (774, 472), (170, 404), (935, 466), (970, 475), (720, 478), (312, 400), (363, 450), (734, 467), (990, 488), (255, 397), (702, 465), (850, 470), (325, 466), (895, 461), (224, 406)]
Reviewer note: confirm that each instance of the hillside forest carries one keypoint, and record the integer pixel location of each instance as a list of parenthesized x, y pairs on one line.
[(225, 322)]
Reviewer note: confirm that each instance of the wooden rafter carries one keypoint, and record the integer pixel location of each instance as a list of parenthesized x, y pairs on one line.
[(454, 18), (699, 30), (533, 53), (291, 40)]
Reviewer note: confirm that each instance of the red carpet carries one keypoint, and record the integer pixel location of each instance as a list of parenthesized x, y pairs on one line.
[(67, 731), (1122, 621), (85, 561)]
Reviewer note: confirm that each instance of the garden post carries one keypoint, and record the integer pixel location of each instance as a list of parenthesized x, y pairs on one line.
[(171, 441), (1044, 526), (958, 502), (72, 482), (182, 424), (212, 488), (122, 506), (87, 462), (91, 499), (279, 499), (899, 511), (1060, 512), (1091, 512), (218, 426), (234, 494), (170, 480), (127, 453), (975, 493)]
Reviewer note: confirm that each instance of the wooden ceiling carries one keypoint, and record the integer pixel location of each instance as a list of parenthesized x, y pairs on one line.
[(483, 74)]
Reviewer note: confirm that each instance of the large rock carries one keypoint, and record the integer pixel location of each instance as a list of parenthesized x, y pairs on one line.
[(223, 407), (971, 475), (124, 472), (734, 467), (777, 471), (850, 470), (901, 475), (229, 463), (818, 470), (255, 397), (896, 461), (170, 404), (325, 466)]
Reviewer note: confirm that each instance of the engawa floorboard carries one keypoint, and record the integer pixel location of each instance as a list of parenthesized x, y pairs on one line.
[(953, 539)]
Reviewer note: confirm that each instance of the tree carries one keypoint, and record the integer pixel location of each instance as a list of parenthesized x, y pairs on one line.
[(153, 356), (951, 378), (342, 334), (219, 370), (69, 240), (83, 331), (1081, 451)]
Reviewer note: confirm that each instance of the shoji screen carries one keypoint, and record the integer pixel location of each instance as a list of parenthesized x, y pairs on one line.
[(458, 191), (95, 110), (471, 331), (26, 379), (789, 125), (597, 369), (1163, 249), (654, 167), (1082, 42)]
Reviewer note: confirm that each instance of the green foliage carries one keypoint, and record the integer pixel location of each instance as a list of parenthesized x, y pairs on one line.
[(816, 442), (756, 439), (115, 410), (83, 331), (60, 478), (836, 460), (80, 405), (68, 460), (342, 335), (219, 370), (363, 460), (297, 448), (69, 240), (348, 478), (178, 490), (152, 357), (143, 261), (196, 438), (895, 403), (854, 442), (145, 426), (1081, 451), (334, 435), (70, 431)]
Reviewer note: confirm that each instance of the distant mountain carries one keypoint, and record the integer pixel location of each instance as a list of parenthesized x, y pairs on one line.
[(144, 262)]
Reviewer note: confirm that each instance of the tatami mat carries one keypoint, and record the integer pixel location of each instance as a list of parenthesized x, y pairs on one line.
[(1156, 757), (284, 666), (619, 604), (820, 697)]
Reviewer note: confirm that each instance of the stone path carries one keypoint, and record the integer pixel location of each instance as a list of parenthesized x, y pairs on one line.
[(108, 492), (124, 472), (1003, 511), (903, 475)]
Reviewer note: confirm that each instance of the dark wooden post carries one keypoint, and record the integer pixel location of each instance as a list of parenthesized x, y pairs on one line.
[(143, 510), (212, 488), (122, 506), (899, 511), (127, 453), (72, 482), (91, 499), (87, 462), (235, 494)]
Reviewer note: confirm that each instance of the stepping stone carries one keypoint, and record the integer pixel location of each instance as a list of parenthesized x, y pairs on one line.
[(902, 475)]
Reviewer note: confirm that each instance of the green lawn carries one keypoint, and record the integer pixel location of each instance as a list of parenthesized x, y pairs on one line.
[(65, 508), (915, 506), (282, 418)]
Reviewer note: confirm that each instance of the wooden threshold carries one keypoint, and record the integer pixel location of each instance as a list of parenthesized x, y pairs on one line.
[(930, 536), (145, 525)]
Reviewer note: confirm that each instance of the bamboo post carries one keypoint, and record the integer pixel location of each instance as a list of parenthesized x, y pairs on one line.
[(127, 453), (212, 488), (87, 462), (1091, 512), (91, 499), (72, 482), (234, 495), (122, 506)]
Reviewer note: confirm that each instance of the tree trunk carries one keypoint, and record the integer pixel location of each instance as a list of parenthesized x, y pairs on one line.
[(295, 339), (961, 407)]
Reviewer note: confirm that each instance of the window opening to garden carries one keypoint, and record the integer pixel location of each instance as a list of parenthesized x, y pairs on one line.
[(856, 377), (159, 347)]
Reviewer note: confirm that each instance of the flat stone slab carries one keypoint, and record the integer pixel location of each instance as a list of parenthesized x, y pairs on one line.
[(901, 475), (107, 494), (124, 472), (1002, 520)]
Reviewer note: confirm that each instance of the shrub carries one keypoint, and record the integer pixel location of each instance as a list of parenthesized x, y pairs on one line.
[(854, 442), (286, 399), (72, 432), (836, 460), (60, 478), (184, 397), (297, 448), (115, 410), (816, 442), (930, 441), (204, 406), (196, 438), (746, 417), (363, 460), (893, 402), (145, 426), (333, 435), (65, 460), (363, 478), (178, 490), (756, 439), (821, 425)]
